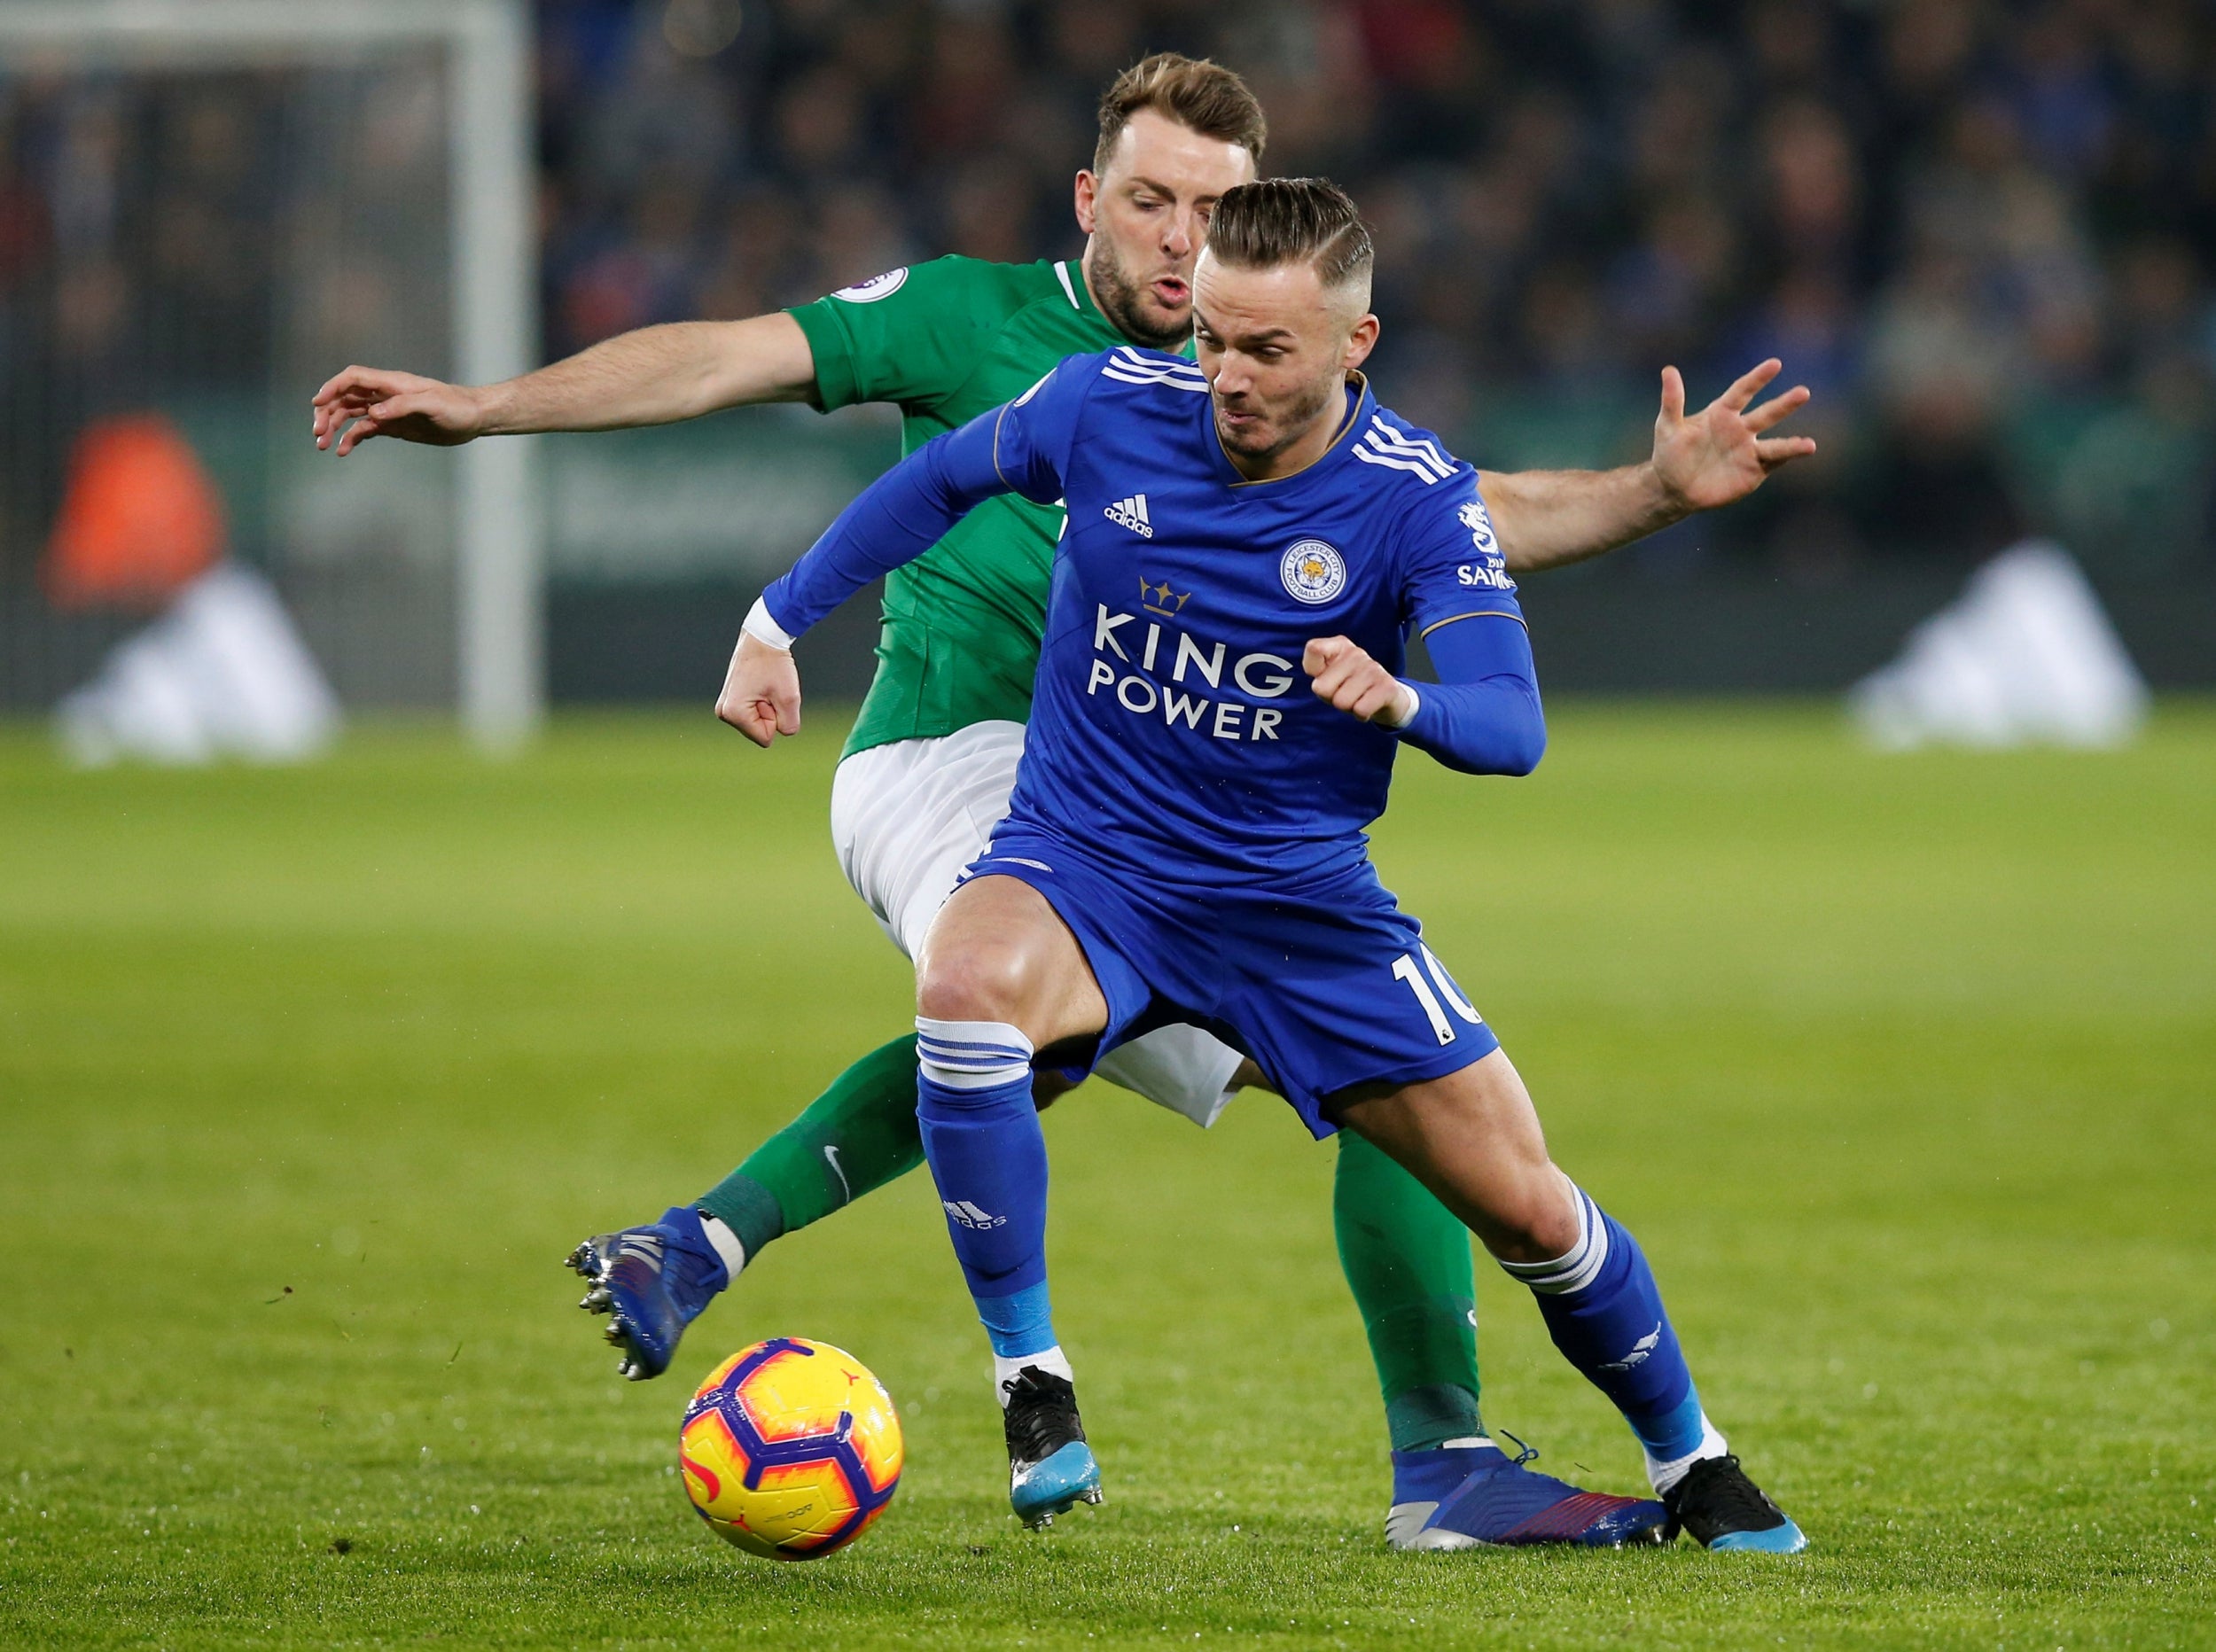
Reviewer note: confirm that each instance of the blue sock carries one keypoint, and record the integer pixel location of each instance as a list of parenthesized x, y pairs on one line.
[(1605, 1313), (1020, 1323), (981, 1136)]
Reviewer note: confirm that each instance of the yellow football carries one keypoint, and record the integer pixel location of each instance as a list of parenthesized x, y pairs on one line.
[(791, 1449)]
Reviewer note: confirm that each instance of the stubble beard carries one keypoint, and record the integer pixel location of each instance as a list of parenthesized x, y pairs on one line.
[(1123, 301), (1283, 430)]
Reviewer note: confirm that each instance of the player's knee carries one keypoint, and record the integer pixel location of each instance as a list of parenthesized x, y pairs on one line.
[(970, 984), (1535, 1219)]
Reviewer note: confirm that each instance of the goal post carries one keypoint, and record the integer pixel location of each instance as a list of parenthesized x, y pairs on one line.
[(493, 525)]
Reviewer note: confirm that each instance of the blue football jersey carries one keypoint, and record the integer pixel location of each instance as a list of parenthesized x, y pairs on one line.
[(1173, 727)]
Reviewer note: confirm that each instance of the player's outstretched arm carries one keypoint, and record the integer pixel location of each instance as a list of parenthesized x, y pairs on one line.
[(1022, 448), (896, 520), (1546, 519), (1019, 448), (654, 376)]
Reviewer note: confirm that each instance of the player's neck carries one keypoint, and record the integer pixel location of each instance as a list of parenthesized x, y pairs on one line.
[(1304, 449)]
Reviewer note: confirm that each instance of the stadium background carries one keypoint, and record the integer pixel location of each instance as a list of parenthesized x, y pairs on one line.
[(1984, 232)]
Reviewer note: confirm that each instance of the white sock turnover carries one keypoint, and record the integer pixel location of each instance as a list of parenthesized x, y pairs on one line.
[(726, 1242)]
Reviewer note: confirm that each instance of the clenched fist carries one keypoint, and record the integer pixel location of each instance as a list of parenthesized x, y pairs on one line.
[(1356, 683), (761, 691)]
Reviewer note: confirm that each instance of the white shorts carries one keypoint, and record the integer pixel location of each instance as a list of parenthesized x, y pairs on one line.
[(906, 820)]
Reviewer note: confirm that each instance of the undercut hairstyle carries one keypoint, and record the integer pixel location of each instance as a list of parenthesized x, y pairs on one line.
[(1200, 96), (1292, 221)]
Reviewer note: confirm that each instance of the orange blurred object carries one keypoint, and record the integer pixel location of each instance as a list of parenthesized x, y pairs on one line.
[(141, 518)]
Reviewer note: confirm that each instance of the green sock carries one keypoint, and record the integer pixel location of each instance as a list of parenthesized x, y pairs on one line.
[(1407, 1261), (858, 1134)]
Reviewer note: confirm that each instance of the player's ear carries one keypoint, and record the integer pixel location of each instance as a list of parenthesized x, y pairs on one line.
[(1361, 340), (1087, 199)]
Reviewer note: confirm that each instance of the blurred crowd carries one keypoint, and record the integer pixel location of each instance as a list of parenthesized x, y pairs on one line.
[(201, 241), (1983, 231)]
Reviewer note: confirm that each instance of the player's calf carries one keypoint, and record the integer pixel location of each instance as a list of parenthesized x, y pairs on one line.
[(652, 1282), (981, 1134), (1604, 1311), (1475, 1135)]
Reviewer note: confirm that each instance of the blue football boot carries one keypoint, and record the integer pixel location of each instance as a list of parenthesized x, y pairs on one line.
[(1460, 1497), (651, 1282), (1720, 1509), (1049, 1465)]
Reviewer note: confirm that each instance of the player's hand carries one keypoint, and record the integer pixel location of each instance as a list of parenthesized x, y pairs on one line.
[(1356, 683), (1721, 454), (761, 691), (406, 405)]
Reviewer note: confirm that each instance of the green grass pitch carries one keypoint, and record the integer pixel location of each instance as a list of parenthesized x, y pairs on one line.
[(1902, 1068)]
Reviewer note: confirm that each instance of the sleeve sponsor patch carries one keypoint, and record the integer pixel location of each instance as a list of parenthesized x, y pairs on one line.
[(1491, 567), (875, 287)]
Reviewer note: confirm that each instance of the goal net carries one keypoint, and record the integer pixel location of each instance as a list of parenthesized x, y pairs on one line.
[(206, 208)]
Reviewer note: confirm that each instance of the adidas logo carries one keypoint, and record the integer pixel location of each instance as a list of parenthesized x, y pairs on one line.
[(1131, 513), (1640, 1350), (968, 1214)]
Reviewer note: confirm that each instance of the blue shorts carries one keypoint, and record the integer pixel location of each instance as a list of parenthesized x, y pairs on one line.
[(1326, 985)]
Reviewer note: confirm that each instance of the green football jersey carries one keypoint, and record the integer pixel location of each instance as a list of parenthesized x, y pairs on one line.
[(945, 341)]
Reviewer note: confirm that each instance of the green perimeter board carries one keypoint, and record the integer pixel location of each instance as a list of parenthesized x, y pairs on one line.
[(1901, 1068)]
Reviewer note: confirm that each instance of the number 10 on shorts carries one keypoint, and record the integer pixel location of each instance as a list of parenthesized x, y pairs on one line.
[(1405, 968)]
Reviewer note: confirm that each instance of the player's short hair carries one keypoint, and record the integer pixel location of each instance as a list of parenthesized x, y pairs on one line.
[(1203, 96), (1292, 221)]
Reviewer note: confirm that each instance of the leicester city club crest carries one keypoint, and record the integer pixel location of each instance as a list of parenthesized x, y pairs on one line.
[(1312, 572)]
